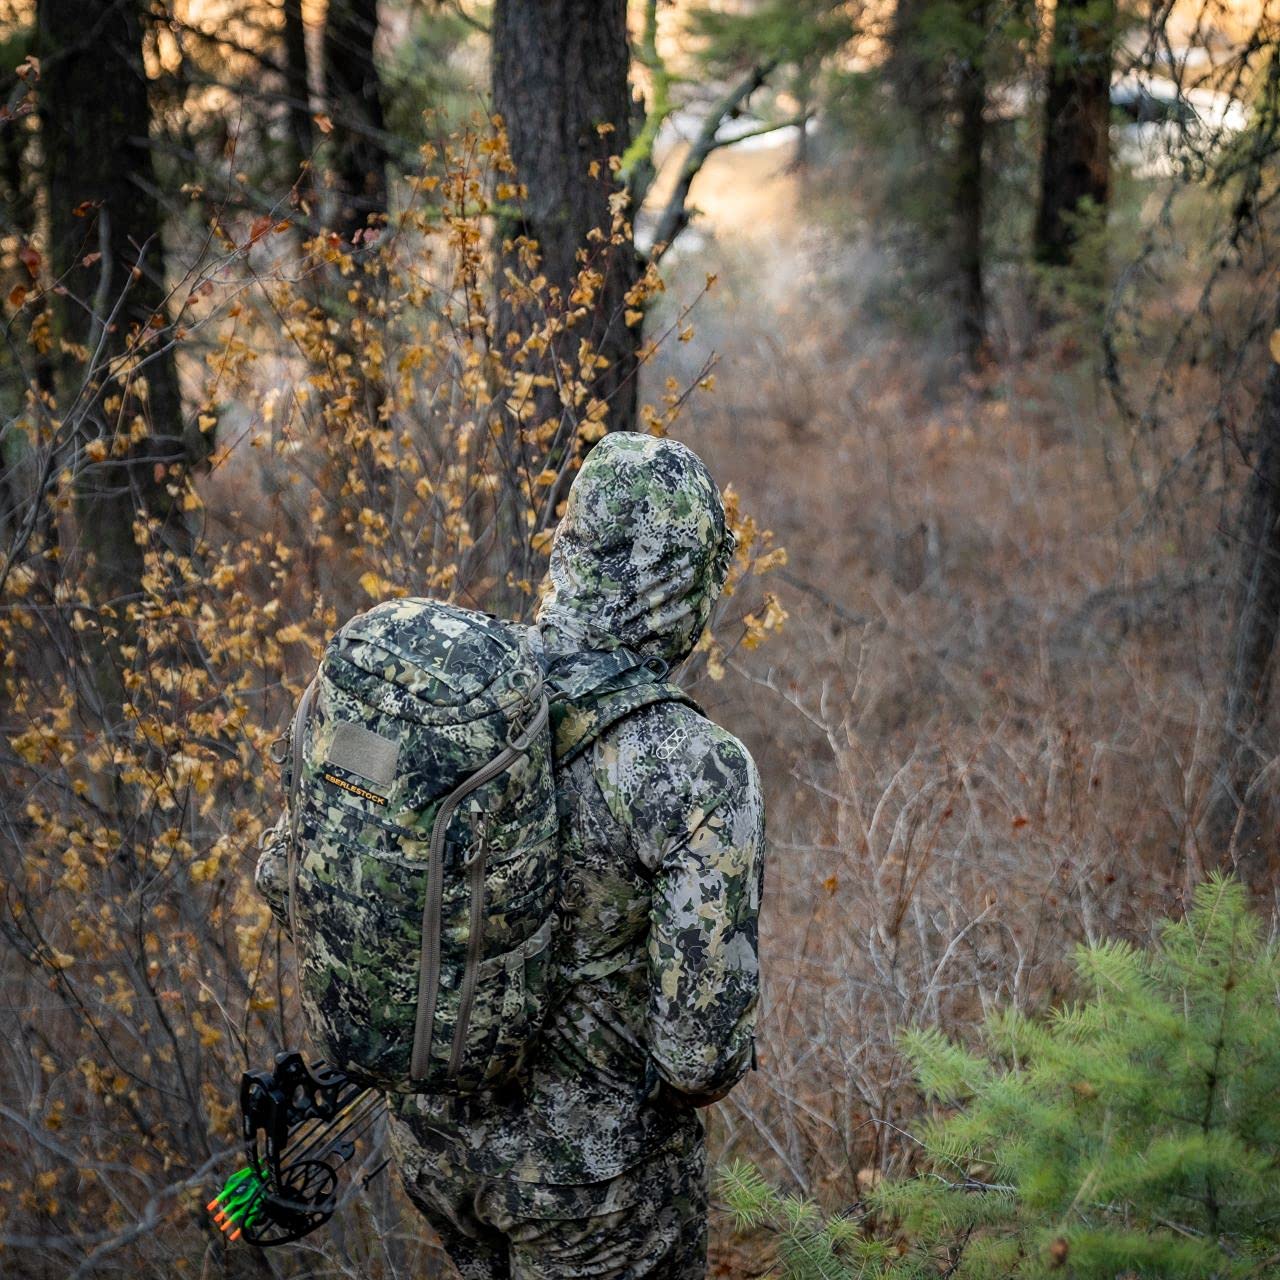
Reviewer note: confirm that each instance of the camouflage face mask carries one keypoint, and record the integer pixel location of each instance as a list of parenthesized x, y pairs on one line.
[(642, 552)]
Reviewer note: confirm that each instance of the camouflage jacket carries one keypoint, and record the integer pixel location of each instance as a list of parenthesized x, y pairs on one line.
[(661, 828)]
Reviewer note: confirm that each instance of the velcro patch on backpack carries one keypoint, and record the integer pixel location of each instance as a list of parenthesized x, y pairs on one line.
[(361, 751)]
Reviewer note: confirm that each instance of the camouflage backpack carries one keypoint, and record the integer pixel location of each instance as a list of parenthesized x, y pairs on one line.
[(422, 837)]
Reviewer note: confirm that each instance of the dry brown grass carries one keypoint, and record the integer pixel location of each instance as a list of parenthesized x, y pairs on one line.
[(984, 733), (986, 728)]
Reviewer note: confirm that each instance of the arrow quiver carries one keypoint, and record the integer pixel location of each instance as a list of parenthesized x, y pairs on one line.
[(300, 1125)]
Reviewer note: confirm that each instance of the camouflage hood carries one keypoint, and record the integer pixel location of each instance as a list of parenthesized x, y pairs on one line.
[(641, 554)]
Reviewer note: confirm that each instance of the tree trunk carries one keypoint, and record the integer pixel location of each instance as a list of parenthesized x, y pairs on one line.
[(19, 204), (1075, 168), (559, 74), (353, 94), (17, 208), (912, 71), (1233, 831), (968, 189), (106, 250), (298, 88)]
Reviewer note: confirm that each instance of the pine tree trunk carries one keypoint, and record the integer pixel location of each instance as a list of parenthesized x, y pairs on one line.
[(1076, 160), (559, 73), (968, 191), (99, 178), (19, 204), (353, 95), (1233, 832), (17, 210), (911, 70), (298, 88)]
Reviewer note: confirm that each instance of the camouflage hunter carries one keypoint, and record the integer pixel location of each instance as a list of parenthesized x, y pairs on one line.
[(592, 1163)]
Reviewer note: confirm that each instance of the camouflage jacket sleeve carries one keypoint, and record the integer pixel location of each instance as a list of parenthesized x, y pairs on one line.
[(271, 877), (690, 797)]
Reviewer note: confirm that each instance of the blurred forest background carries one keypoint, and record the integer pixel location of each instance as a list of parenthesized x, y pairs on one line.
[(975, 305)]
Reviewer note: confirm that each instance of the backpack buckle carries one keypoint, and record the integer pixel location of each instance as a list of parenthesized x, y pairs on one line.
[(527, 722), (519, 730), (481, 845)]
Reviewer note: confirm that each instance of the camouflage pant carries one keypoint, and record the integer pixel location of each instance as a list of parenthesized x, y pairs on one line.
[(648, 1223)]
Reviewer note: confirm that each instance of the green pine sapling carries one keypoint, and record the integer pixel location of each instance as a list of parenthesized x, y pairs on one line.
[(1134, 1133)]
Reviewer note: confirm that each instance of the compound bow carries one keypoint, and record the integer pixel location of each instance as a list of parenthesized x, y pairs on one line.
[(300, 1125)]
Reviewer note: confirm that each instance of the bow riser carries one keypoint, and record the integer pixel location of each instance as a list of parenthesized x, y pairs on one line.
[(299, 1126)]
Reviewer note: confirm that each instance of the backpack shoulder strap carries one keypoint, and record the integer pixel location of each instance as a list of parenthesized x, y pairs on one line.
[(592, 692)]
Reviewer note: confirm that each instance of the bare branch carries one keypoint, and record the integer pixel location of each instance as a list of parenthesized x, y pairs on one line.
[(470, 19), (675, 217)]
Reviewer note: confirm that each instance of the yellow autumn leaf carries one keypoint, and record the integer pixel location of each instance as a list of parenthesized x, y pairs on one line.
[(715, 662), (1275, 345), (203, 870)]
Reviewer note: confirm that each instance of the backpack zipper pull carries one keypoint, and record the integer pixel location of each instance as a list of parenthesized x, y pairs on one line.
[(481, 846)]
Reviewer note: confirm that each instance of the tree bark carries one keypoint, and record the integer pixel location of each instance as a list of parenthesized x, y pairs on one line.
[(559, 74), (970, 176), (1233, 833), (19, 204), (353, 94), (913, 74), (17, 208), (1075, 168), (298, 87), (107, 253)]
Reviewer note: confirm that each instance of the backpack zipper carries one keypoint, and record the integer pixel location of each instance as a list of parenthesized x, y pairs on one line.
[(429, 967), (475, 937)]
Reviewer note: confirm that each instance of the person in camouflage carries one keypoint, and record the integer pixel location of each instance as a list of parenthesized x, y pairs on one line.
[(594, 1166), (593, 1163)]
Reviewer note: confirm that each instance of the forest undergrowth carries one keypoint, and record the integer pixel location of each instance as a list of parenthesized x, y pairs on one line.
[(986, 728), (980, 686)]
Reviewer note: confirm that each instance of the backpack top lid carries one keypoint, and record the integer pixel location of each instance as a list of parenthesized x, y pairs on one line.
[(432, 662)]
